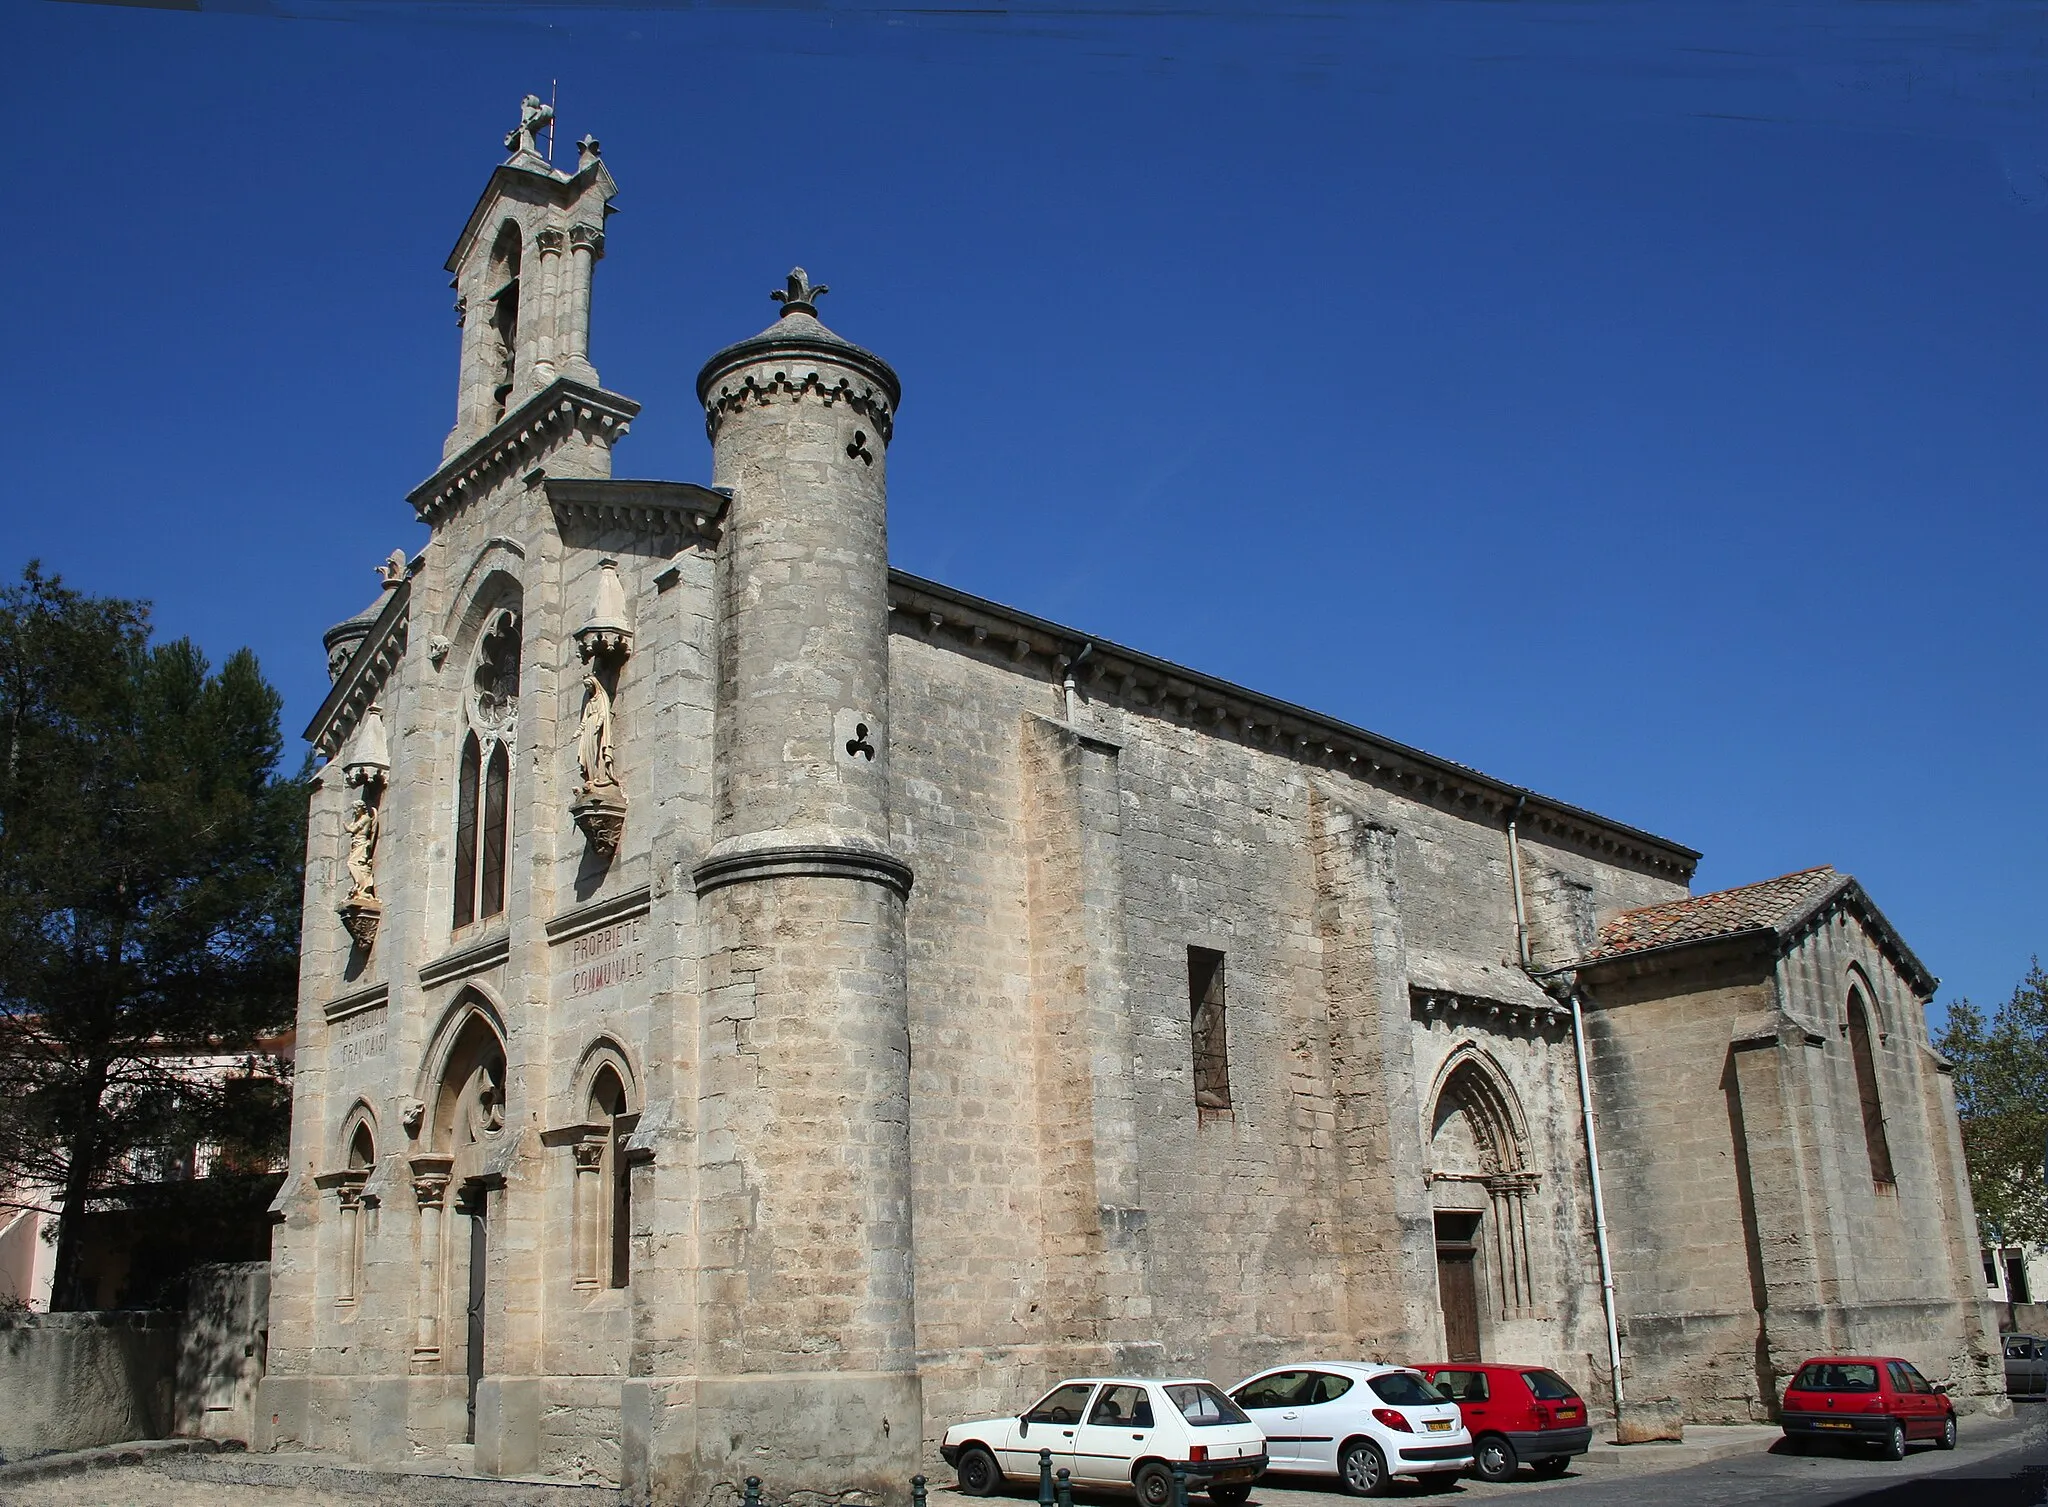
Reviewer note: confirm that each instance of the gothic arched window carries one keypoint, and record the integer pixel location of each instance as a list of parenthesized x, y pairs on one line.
[(1866, 1091), (483, 788), (608, 1108), (504, 317)]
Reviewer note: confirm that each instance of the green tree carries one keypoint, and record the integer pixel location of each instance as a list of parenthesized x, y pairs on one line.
[(150, 862), (2001, 1082)]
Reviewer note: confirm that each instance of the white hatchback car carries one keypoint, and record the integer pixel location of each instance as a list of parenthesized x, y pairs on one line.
[(1117, 1431), (1362, 1423)]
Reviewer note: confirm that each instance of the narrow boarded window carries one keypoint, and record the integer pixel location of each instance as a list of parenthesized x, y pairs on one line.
[(496, 779), (1212, 1044), (465, 832), (1866, 1090), (2016, 1278)]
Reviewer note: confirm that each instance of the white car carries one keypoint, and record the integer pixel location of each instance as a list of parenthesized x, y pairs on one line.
[(1117, 1431), (1362, 1423)]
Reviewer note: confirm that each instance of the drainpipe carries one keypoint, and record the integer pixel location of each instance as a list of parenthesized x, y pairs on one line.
[(1585, 1109), (1599, 1204), (1069, 666), (1515, 876)]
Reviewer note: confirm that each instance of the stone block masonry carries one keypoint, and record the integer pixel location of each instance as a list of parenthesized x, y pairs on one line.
[(940, 1001)]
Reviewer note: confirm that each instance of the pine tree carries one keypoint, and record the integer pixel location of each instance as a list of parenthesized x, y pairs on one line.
[(2001, 1083), (150, 861)]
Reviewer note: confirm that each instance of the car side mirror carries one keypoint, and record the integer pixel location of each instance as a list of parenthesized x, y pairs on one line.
[(1023, 1427), (1941, 1387)]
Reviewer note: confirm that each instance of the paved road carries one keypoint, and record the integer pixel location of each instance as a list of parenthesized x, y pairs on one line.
[(1993, 1465)]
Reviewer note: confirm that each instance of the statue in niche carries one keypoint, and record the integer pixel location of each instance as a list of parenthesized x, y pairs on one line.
[(594, 737), (362, 851)]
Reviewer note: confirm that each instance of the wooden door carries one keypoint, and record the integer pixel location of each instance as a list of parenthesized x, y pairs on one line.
[(476, 1309), (1457, 1285)]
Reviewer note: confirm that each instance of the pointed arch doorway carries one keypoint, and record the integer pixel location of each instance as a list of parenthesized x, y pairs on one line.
[(1479, 1183)]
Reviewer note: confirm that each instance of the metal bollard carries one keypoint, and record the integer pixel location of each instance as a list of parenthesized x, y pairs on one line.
[(1180, 1484), (1064, 1489), (752, 1495), (917, 1491), (1045, 1498)]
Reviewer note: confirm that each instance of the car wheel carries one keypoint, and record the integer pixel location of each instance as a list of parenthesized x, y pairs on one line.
[(1494, 1459), (1894, 1446), (1551, 1465), (1948, 1433), (1155, 1484), (1229, 1496), (1362, 1469), (979, 1474)]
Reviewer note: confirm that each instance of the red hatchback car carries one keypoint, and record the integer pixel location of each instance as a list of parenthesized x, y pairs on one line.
[(1876, 1399), (1515, 1413)]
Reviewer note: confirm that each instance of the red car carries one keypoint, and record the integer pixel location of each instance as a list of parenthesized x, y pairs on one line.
[(1875, 1399), (1515, 1413)]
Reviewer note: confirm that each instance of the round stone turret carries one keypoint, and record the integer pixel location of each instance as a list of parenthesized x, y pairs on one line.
[(345, 637), (800, 423), (805, 1319)]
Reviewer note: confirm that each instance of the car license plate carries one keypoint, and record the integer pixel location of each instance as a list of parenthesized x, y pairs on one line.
[(1829, 1423), (1439, 1425), (1567, 1412)]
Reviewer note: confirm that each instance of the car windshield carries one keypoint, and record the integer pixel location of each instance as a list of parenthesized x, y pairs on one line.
[(1203, 1406), (1548, 1386), (1835, 1376), (1404, 1389)]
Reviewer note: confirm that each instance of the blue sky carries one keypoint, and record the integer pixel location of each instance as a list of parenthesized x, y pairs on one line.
[(1638, 402)]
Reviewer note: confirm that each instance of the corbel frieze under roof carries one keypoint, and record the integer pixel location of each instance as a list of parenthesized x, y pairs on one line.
[(516, 441), (660, 507), (364, 678), (1490, 1014), (957, 620)]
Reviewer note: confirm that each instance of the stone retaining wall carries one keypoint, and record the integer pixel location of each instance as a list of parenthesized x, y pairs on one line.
[(74, 1380)]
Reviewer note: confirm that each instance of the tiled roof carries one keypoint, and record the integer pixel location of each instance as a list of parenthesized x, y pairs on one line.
[(1770, 905)]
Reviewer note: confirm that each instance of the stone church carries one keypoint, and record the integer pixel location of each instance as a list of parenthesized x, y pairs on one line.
[(759, 1006)]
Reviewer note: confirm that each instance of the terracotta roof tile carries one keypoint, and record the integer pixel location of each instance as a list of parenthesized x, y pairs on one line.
[(1751, 907)]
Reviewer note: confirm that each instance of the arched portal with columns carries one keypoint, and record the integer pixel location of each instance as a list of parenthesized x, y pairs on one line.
[(464, 1102), (1480, 1181)]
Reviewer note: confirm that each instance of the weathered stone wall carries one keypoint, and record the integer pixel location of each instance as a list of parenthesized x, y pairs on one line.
[(223, 1346), (1749, 1229), (74, 1380), (1064, 869)]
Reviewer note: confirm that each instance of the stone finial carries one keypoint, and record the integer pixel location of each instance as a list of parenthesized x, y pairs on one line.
[(801, 297), (588, 150), (534, 112), (393, 569)]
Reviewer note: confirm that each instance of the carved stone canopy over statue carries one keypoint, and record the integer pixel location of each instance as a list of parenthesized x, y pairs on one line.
[(534, 113)]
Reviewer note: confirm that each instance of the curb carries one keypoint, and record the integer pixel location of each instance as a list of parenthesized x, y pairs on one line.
[(422, 1485), (106, 1457)]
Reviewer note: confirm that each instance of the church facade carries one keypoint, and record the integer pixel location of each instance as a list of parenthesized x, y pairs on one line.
[(759, 1006)]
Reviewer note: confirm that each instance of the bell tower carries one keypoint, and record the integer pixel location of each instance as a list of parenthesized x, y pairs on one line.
[(522, 271)]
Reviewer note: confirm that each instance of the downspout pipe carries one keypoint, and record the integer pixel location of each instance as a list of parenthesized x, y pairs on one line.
[(1515, 878), (1599, 1203)]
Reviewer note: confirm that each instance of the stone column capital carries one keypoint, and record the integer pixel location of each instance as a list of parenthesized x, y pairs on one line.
[(550, 240), (587, 238)]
